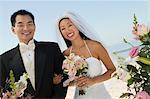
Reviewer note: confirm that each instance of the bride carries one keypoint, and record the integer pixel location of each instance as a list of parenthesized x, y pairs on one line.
[(76, 36)]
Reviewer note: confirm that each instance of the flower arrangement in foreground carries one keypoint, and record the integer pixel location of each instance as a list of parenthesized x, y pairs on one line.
[(74, 66), (14, 90), (135, 70)]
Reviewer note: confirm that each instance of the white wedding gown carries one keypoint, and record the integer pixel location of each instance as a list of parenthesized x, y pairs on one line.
[(97, 91)]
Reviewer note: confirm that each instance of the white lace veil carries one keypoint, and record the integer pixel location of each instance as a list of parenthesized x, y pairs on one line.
[(81, 24)]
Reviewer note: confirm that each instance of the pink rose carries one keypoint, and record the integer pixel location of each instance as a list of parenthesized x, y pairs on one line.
[(5, 96), (78, 64), (72, 72), (134, 52), (65, 66), (142, 95)]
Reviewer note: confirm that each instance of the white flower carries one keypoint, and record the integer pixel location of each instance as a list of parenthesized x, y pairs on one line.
[(123, 74), (132, 61), (21, 85)]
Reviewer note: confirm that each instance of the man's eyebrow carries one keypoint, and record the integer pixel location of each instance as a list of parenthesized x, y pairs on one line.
[(19, 22), (30, 22), (22, 22)]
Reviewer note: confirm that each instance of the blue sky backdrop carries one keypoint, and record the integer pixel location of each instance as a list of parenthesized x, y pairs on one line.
[(111, 19)]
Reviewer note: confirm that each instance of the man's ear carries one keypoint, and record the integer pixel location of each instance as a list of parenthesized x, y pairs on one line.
[(13, 30)]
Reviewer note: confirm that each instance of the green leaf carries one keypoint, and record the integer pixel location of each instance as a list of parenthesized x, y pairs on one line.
[(12, 80), (147, 88), (125, 40), (144, 51), (144, 67), (130, 81), (144, 60), (125, 95), (137, 77), (131, 68), (135, 20), (144, 74)]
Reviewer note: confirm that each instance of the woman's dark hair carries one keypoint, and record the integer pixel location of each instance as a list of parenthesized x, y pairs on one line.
[(67, 41)]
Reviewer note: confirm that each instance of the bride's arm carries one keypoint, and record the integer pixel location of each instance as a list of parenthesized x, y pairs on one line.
[(105, 58)]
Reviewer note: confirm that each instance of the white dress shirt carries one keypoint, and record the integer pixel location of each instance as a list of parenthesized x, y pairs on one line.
[(27, 53)]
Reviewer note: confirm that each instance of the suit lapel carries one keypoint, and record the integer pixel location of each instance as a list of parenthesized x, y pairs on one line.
[(18, 67), (16, 63), (39, 66)]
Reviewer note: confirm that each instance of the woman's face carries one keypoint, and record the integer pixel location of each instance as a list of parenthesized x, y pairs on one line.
[(68, 29)]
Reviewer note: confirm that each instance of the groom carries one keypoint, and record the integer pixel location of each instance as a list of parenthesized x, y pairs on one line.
[(39, 59)]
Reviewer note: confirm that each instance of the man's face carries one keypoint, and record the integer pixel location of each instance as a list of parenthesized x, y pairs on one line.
[(24, 28)]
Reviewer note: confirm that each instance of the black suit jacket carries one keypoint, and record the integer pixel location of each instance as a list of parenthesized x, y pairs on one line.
[(48, 60)]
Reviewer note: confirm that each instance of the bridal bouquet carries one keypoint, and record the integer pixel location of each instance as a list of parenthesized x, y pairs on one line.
[(74, 66), (14, 90), (135, 70)]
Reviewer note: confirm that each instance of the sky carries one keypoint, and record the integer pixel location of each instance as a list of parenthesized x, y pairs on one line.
[(112, 19)]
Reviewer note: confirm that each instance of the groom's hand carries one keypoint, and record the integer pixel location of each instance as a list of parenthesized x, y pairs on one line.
[(57, 79)]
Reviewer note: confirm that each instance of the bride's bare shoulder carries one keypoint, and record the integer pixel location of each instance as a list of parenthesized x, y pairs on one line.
[(93, 44)]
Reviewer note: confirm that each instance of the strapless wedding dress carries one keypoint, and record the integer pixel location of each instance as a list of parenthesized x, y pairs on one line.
[(96, 91)]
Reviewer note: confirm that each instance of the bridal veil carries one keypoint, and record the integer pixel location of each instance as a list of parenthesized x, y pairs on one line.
[(82, 26)]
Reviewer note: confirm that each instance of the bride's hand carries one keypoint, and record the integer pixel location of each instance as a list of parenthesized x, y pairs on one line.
[(84, 81)]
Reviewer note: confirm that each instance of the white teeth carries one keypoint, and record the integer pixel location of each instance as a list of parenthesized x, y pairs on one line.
[(70, 34), (26, 33)]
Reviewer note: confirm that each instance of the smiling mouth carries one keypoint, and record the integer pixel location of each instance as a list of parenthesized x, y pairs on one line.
[(26, 33), (70, 35)]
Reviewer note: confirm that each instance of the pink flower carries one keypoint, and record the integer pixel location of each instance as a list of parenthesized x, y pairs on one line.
[(65, 66), (142, 95), (5, 96), (18, 93), (74, 66), (72, 72), (134, 52), (135, 30), (79, 64), (140, 30)]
